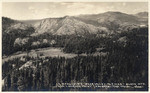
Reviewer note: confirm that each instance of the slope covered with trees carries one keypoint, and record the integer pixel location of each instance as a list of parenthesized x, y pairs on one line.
[(126, 61)]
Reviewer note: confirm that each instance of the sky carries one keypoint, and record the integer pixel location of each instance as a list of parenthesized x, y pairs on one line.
[(40, 10)]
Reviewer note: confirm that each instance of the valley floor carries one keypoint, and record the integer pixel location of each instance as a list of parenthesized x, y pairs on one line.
[(46, 52)]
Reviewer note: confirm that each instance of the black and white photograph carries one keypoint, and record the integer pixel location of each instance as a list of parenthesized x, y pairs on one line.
[(74, 46)]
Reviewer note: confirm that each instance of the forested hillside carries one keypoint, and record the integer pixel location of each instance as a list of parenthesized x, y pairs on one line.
[(126, 61)]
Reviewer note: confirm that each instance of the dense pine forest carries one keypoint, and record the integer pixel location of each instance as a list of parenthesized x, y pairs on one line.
[(126, 60)]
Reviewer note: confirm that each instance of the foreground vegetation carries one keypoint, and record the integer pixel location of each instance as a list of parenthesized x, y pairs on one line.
[(126, 61)]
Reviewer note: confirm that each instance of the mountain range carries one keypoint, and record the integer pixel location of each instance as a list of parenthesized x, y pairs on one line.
[(81, 24)]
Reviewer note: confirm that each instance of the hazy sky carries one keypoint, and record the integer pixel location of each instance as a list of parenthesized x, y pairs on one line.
[(34, 10)]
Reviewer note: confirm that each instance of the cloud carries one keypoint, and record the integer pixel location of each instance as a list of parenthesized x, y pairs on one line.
[(31, 8), (110, 7), (80, 5), (124, 4), (59, 9), (65, 3), (35, 11), (46, 9), (79, 8), (83, 8), (52, 6)]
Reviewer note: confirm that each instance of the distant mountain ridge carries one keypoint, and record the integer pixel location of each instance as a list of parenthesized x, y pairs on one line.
[(66, 25), (84, 24), (142, 14)]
